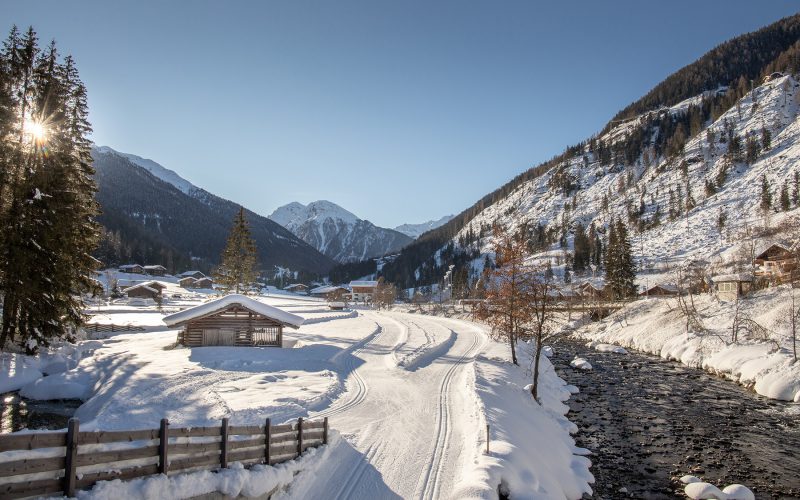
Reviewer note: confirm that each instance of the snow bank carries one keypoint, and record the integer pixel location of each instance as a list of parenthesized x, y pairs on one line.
[(658, 327), (608, 348), (234, 481), (531, 451), (19, 370)]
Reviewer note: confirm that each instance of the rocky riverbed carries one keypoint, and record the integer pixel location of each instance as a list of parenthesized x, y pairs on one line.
[(17, 413), (648, 422)]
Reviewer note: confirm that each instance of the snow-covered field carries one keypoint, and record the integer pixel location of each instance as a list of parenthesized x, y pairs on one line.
[(657, 326), (409, 396)]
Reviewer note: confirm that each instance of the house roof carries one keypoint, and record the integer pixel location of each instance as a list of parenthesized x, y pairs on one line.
[(665, 286), (143, 286), (295, 285), (764, 248), (189, 273), (723, 278), (328, 289), (364, 283), (155, 266), (127, 266), (222, 303)]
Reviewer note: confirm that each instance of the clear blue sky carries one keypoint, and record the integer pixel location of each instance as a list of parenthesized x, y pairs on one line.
[(398, 111)]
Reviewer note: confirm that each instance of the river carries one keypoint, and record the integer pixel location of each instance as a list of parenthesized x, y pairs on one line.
[(649, 421)]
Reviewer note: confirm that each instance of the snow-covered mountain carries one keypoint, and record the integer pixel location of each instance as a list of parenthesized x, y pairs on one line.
[(152, 215), (415, 230), (338, 233)]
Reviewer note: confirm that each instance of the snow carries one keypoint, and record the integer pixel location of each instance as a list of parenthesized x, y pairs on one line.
[(159, 171), (658, 327), (580, 364), (406, 392), (609, 348), (415, 230), (234, 481), (228, 300), (697, 489)]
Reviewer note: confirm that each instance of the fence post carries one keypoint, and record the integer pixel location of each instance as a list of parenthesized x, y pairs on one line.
[(223, 456), (325, 431), (299, 436), (268, 433), (163, 446), (71, 458)]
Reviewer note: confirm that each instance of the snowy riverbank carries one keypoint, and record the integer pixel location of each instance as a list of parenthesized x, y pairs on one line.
[(657, 326)]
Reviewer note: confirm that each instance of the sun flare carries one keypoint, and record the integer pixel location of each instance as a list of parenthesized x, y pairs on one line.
[(36, 130)]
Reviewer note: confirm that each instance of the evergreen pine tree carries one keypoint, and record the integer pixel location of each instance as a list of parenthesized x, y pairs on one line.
[(237, 272), (581, 243), (620, 268), (796, 188), (47, 191), (784, 198), (766, 195)]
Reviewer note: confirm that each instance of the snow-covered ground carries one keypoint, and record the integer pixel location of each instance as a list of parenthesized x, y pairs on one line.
[(410, 396), (658, 326)]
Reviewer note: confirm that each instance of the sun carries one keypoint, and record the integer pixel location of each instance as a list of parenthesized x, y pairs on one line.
[(36, 130)]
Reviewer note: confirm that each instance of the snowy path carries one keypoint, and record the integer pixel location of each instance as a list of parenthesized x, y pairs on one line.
[(405, 428)]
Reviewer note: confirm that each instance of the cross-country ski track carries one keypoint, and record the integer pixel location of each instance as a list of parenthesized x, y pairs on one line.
[(406, 426)]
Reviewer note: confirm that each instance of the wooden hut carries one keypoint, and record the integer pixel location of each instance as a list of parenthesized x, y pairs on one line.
[(661, 290), (187, 282), (363, 291), (143, 291), (131, 269), (157, 270), (233, 320), (732, 286), (204, 282), (296, 288), (192, 274)]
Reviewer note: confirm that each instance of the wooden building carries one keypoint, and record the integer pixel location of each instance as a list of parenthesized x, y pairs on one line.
[(131, 269), (233, 320), (296, 288), (661, 290), (328, 292), (592, 289), (187, 282), (192, 274), (732, 286), (775, 262), (363, 291), (204, 282), (143, 291), (157, 270)]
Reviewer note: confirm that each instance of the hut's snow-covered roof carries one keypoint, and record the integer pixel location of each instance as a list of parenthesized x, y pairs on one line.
[(364, 283), (220, 304)]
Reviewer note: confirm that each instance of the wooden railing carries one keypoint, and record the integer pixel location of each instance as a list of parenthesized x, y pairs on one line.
[(80, 459), (97, 327)]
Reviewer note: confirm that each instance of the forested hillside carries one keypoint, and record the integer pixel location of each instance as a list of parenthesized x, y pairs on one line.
[(657, 134), (147, 220)]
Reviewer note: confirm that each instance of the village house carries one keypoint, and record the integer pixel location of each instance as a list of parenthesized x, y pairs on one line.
[(296, 288), (192, 274), (204, 282), (147, 290), (187, 282), (362, 291), (732, 286), (156, 270), (328, 291), (233, 320), (775, 262), (661, 290), (131, 269), (592, 289)]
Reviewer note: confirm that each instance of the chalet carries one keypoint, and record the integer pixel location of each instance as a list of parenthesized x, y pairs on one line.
[(328, 291), (594, 289), (661, 290), (233, 320), (363, 291), (187, 282), (156, 270), (131, 269), (143, 291), (732, 286), (296, 288), (775, 262), (192, 274), (204, 282)]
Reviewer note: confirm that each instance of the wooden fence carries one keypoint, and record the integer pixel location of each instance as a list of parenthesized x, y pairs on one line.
[(78, 459), (97, 327)]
